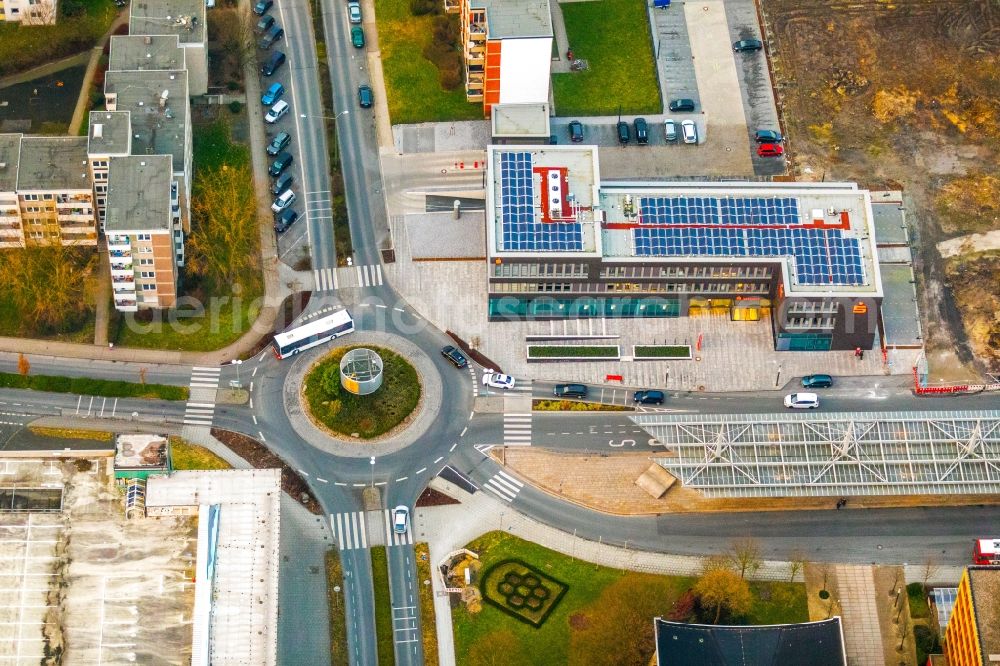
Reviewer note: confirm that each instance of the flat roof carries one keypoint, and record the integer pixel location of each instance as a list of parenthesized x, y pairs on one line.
[(821, 232), (159, 124), (984, 583), (889, 221), (439, 236), (10, 157), (146, 52), (140, 450), (53, 163), (520, 120), (184, 18), (109, 133), (244, 609), (516, 18), (138, 193), (900, 315)]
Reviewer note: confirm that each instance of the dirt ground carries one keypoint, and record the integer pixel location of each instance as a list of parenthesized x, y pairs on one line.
[(904, 94)]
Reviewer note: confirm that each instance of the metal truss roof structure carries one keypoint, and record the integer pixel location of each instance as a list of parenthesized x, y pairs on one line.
[(861, 453)]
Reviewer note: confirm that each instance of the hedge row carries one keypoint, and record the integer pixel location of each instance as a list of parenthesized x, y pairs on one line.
[(87, 386), (662, 351), (567, 351)]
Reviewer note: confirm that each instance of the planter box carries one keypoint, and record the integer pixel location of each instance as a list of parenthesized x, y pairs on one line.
[(573, 353), (661, 352)]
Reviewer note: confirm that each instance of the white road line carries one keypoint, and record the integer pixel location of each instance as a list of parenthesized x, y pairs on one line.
[(438, 459), (421, 470), (401, 479), (464, 430), (452, 447), (321, 480)]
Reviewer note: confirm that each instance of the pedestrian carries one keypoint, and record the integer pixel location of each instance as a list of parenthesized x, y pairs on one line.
[(838, 505), (861, 354), (857, 352)]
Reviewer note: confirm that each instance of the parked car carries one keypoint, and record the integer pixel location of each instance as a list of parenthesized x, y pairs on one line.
[(365, 97), (354, 12), (669, 130), (279, 143), (274, 33), (262, 7), (553, 140), (272, 94), (265, 22), (286, 199), (285, 220), (770, 150), (497, 380), (400, 519), (768, 136), (641, 131), (623, 132), (455, 356), (277, 112), (357, 36), (283, 183), (648, 397), (802, 401), (690, 131), (570, 391), (682, 105), (280, 163), (748, 45), (575, 131), (817, 381), (272, 64)]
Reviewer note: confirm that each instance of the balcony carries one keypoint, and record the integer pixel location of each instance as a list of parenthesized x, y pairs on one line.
[(126, 305), (118, 270), (121, 256)]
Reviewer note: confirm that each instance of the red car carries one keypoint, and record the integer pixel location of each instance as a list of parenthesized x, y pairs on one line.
[(770, 150)]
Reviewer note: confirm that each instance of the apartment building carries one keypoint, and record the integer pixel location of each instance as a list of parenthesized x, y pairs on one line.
[(46, 195), (139, 226), (563, 244), (29, 12), (108, 135), (184, 19), (972, 637), (507, 48)]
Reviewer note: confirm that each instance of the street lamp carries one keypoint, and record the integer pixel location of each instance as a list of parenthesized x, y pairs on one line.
[(371, 462), (237, 362), (344, 112)]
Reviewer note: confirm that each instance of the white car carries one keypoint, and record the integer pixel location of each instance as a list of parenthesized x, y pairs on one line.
[(277, 112), (497, 380), (802, 401), (354, 12), (690, 131), (284, 201), (400, 519)]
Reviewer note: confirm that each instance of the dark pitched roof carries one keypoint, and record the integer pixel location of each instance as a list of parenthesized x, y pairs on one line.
[(807, 644)]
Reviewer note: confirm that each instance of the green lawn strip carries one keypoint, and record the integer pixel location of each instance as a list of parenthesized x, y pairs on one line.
[(338, 618), (411, 81), (521, 591), (576, 406), (613, 37), (661, 351), (367, 415), (24, 47), (81, 330), (428, 623), (383, 607), (918, 600), (185, 455), (577, 351), (778, 603), (87, 386)]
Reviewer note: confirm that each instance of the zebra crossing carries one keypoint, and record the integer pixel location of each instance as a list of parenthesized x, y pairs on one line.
[(349, 529), (325, 279), (517, 429), (200, 408), (331, 279), (392, 538), (504, 486)]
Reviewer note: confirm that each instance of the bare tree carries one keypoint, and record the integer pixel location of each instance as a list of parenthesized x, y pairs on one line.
[(796, 564), (930, 569), (51, 286), (23, 366), (142, 376), (745, 554), (42, 13)]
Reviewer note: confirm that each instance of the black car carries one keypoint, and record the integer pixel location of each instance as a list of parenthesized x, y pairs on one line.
[(748, 45), (641, 131), (553, 140), (262, 7), (280, 163), (276, 60), (817, 381), (682, 105), (279, 143), (455, 356), (648, 397), (283, 183), (265, 23), (570, 391), (623, 132), (274, 33), (284, 220), (575, 131), (768, 136), (365, 97)]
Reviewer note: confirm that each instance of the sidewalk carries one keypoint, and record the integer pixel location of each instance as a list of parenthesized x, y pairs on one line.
[(83, 101)]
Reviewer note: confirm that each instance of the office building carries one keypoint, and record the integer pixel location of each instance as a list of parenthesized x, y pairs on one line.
[(972, 637)]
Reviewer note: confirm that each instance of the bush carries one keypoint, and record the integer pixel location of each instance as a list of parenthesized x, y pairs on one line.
[(233, 85), (927, 642), (87, 386), (918, 600), (235, 107), (422, 7)]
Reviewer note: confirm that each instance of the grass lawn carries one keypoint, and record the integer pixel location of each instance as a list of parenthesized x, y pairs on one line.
[(86, 386), (81, 330), (575, 406), (613, 37), (185, 455), (602, 607), (367, 415), (79, 25), (918, 600), (383, 607), (412, 86), (427, 622), (338, 619)]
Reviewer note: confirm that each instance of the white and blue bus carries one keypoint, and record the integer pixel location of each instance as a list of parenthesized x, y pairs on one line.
[(314, 333)]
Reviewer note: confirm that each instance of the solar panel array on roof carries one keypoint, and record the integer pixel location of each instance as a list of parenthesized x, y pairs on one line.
[(714, 210), (822, 256), (519, 230)]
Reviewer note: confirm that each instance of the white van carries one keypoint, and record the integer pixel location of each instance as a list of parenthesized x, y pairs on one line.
[(802, 401), (277, 112)]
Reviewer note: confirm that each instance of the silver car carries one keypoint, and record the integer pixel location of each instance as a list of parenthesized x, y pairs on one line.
[(690, 131), (670, 129)]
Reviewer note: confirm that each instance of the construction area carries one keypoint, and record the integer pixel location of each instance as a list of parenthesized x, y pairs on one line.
[(80, 584)]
